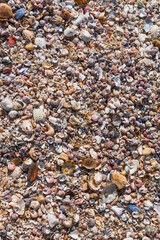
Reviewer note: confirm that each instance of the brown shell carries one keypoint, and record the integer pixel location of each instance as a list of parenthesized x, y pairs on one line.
[(156, 43), (17, 161), (89, 163), (32, 172), (5, 11), (80, 1)]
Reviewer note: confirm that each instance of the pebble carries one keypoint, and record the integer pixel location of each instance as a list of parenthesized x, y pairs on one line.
[(52, 220), (20, 13), (7, 104), (85, 36), (40, 42), (5, 11), (29, 47)]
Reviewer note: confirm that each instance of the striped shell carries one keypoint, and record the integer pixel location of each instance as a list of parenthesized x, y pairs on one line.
[(38, 114)]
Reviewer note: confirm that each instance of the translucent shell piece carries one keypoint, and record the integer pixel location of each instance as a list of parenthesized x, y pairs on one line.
[(89, 163)]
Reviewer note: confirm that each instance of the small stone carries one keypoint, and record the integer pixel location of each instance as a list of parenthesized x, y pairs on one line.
[(12, 114), (27, 34), (20, 13), (40, 42), (68, 223), (96, 117), (52, 220), (69, 32), (29, 47), (146, 151), (85, 36), (7, 104), (132, 208), (119, 180), (64, 156), (5, 11), (35, 205), (91, 222)]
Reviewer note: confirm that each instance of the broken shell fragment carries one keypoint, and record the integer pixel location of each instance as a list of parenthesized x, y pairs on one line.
[(68, 223), (50, 130), (109, 193), (68, 167), (27, 126), (95, 181), (119, 180), (89, 163)]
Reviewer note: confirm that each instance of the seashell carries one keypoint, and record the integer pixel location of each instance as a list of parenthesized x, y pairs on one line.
[(99, 72), (68, 167), (27, 126), (17, 172), (78, 2), (21, 204), (68, 223), (27, 34), (5, 11), (52, 220), (18, 105), (93, 153), (119, 180), (11, 41), (32, 154), (86, 37), (79, 20), (116, 121), (147, 24), (117, 210), (58, 20), (17, 161), (40, 42), (38, 114), (26, 164), (98, 177), (132, 208), (134, 166), (69, 32), (11, 166), (32, 172), (89, 164), (50, 130), (109, 193), (157, 209), (94, 181), (156, 43), (12, 114), (146, 151)]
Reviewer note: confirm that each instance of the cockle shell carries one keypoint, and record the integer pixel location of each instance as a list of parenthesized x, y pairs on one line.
[(27, 126), (38, 114)]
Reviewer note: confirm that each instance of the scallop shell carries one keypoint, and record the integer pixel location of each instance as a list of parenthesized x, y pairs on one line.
[(27, 126), (38, 114)]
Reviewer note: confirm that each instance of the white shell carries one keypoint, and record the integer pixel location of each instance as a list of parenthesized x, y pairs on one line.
[(68, 223), (27, 127), (97, 178), (38, 114), (117, 210), (135, 166)]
